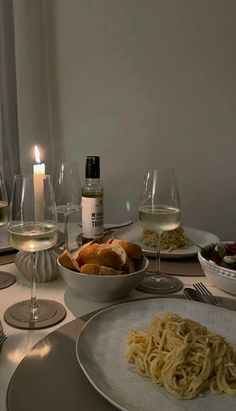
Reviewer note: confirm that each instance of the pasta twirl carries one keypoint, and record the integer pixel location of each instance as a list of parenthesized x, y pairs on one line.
[(183, 356), (170, 240)]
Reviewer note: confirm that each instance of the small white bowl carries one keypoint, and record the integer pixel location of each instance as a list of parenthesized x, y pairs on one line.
[(220, 277), (104, 287)]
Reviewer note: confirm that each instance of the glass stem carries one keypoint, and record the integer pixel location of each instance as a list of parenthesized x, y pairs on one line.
[(158, 254), (66, 231), (34, 307)]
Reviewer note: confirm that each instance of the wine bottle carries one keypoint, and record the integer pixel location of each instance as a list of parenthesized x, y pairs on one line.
[(92, 201)]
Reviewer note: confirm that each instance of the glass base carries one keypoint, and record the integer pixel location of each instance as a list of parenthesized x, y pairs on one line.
[(49, 313), (160, 284), (6, 279)]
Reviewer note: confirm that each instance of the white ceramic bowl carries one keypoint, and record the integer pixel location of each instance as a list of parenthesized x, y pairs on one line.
[(220, 277), (104, 287)]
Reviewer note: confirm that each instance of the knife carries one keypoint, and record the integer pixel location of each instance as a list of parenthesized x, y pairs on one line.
[(108, 229), (112, 227)]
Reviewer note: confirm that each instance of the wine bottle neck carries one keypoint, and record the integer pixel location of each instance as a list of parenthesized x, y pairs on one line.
[(92, 181)]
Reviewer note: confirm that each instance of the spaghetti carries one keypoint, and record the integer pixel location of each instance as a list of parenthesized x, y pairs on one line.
[(170, 240), (183, 356)]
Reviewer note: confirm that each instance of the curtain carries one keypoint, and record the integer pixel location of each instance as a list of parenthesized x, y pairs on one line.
[(9, 135), (28, 88)]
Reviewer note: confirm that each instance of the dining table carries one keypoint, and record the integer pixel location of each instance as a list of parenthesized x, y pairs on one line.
[(38, 368)]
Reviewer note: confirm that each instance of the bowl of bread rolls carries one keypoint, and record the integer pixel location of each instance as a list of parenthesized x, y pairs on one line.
[(103, 272)]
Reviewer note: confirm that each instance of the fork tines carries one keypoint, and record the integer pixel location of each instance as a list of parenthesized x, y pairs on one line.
[(3, 338), (203, 290)]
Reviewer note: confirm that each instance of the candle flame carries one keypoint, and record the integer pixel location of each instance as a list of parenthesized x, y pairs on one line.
[(37, 154)]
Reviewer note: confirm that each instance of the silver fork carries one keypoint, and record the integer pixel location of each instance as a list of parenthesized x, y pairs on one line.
[(3, 338), (204, 291)]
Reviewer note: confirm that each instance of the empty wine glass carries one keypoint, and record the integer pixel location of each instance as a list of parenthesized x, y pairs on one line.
[(67, 188), (6, 279), (159, 210), (33, 227)]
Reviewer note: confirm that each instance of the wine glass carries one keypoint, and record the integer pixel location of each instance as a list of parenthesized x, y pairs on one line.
[(6, 279), (159, 210), (33, 227), (67, 188)]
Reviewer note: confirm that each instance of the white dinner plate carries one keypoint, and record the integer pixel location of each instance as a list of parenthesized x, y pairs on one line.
[(201, 238), (100, 351)]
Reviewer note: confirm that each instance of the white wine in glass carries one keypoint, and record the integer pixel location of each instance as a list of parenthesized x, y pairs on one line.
[(3, 201), (159, 210), (3, 213), (159, 219), (6, 279), (33, 236), (33, 228)]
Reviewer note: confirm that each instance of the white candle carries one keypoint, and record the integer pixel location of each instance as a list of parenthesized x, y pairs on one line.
[(39, 172)]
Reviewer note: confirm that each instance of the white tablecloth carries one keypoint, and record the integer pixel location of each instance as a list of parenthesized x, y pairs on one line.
[(19, 342)]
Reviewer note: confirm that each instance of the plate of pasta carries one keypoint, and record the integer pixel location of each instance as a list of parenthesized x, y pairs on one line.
[(161, 354), (179, 243)]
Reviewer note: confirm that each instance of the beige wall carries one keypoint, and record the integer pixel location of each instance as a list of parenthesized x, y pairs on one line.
[(148, 83)]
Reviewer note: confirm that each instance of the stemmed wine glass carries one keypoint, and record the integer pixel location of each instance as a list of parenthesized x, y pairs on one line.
[(6, 279), (159, 210), (33, 227), (67, 188)]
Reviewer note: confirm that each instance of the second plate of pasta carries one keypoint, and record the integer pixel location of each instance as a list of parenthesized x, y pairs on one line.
[(180, 243)]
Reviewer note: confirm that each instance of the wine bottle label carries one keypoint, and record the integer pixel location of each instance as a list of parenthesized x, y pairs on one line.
[(92, 217)]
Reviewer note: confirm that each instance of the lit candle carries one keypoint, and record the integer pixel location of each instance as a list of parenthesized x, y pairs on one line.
[(39, 172)]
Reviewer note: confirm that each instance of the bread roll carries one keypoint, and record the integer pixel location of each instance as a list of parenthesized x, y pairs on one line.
[(112, 258), (90, 269), (96, 269), (76, 252), (132, 250), (66, 259), (108, 255)]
